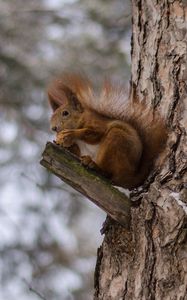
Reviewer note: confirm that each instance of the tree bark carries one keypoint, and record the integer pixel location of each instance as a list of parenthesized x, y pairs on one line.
[(150, 261)]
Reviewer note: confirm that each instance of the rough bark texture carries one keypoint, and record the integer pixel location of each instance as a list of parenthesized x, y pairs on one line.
[(150, 261)]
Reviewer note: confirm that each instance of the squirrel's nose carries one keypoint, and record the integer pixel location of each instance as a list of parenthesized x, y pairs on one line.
[(54, 128)]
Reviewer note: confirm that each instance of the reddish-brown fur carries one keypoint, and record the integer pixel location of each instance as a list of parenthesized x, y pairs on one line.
[(128, 142)]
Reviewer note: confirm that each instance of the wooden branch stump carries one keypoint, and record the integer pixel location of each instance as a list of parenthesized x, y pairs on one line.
[(92, 185)]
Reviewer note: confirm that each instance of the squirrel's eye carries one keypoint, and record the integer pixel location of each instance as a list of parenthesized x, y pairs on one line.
[(65, 113)]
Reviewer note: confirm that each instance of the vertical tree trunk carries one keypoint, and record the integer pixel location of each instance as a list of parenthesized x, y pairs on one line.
[(150, 260)]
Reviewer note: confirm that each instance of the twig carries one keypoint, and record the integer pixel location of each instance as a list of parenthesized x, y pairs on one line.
[(31, 289)]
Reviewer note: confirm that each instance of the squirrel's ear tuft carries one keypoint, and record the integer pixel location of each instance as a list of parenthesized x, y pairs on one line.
[(73, 99), (70, 89), (56, 94), (53, 103)]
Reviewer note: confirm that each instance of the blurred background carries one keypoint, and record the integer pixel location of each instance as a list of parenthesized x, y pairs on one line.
[(49, 233)]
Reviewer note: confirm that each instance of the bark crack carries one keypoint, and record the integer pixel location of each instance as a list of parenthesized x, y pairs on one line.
[(150, 257), (98, 271), (172, 159), (155, 77), (139, 5), (176, 92)]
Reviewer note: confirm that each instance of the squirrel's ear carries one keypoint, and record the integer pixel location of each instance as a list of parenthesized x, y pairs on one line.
[(53, 102), (65, 90), (55, 95), (73, 99)]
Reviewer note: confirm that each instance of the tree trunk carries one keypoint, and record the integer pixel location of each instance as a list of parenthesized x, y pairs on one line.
[(150, 260)]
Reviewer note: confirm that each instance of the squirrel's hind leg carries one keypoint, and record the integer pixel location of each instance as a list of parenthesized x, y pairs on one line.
[(118, 158)]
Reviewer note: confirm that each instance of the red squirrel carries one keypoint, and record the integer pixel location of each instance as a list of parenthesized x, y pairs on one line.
[(119, 136)]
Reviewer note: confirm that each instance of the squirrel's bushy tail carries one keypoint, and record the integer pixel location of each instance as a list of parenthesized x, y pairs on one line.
[(150, 126), (153, 133)]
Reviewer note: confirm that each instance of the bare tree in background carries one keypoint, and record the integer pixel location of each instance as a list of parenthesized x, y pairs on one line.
[(150, 261)]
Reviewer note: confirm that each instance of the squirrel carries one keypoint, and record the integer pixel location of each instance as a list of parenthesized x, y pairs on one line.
[(118, 136)]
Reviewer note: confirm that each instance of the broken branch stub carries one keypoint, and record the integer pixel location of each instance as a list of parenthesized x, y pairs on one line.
[(92, 185)]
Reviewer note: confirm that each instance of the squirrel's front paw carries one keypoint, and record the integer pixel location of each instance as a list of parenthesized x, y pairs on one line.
[(88, 162), (64, 139)]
